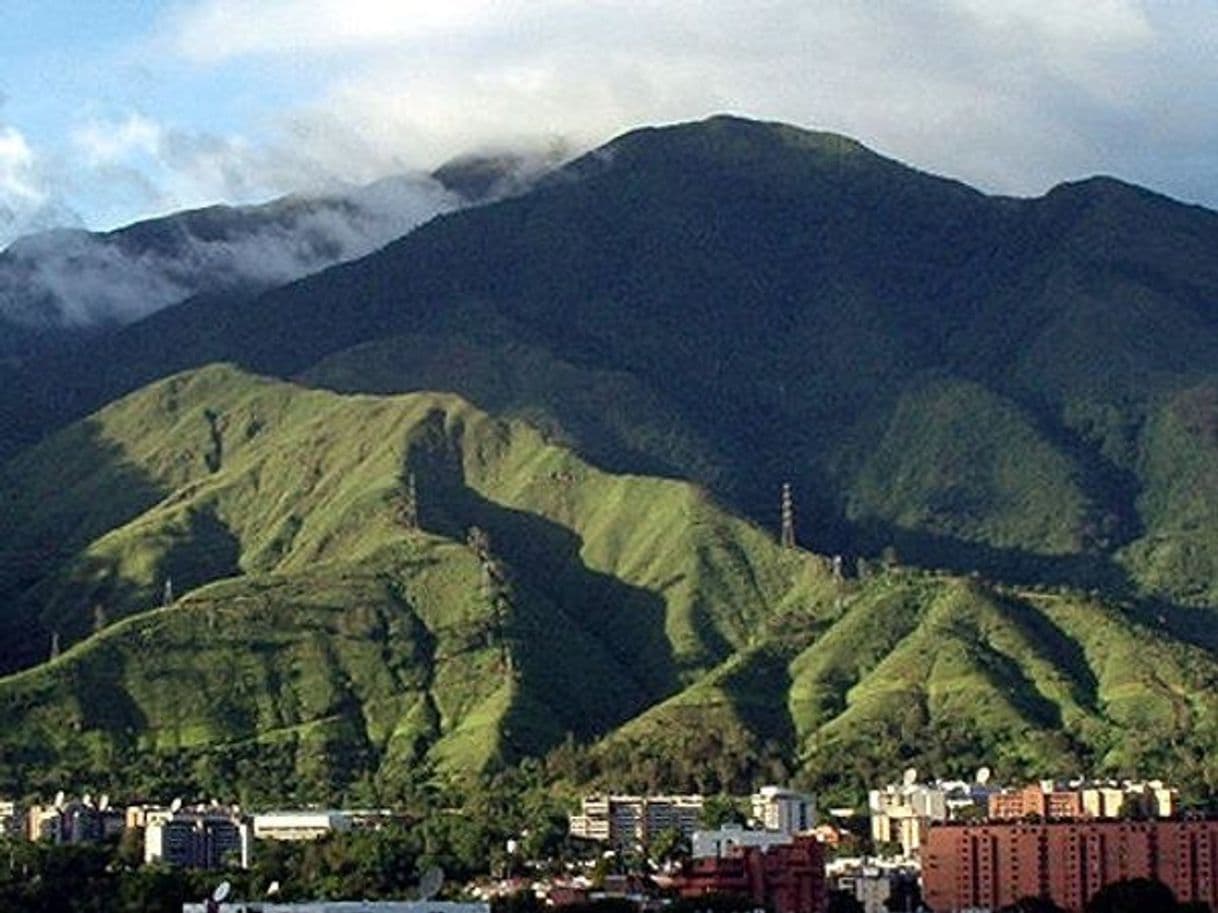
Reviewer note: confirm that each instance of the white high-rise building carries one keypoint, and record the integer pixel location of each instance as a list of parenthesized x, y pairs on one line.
[(630, 821)]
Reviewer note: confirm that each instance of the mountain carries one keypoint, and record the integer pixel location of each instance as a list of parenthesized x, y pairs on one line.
[(61, 284), (366, 588), (332, 580), (979, 382), (1021, 393)]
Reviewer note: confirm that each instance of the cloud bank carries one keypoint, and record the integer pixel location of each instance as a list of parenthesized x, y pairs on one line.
[(1012, 97), (76, 279)]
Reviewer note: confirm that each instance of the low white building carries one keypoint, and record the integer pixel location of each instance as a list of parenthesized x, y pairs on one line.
[(300, 824), (721, 842), (629, 821)]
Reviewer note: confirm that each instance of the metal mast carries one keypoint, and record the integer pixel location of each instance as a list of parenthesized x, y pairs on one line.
[(787, 537)]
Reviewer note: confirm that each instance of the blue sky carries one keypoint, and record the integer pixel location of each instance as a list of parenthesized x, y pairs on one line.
[(117, 109)]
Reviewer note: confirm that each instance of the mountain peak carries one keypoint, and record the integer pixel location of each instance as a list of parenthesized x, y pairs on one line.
[(731, 140)]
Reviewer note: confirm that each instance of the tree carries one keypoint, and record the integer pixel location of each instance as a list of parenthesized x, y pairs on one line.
[(720, 810), (1133, 895), (667, 846), (1032, 905), (843, 902)]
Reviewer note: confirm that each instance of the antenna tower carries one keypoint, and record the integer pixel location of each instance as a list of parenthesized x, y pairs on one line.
[(787, 537)]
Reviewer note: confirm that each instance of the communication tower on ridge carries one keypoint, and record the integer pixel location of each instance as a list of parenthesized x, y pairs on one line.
[(787, 537)]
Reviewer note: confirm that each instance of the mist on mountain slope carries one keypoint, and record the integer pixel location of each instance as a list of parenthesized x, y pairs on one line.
[(72, 278)]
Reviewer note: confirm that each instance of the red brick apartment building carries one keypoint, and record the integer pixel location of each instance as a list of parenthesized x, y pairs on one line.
[(987, 866), (785, 879)]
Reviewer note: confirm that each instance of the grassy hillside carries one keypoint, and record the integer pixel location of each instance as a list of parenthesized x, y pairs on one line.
[(311, 609), (680, 321), (944, 674)]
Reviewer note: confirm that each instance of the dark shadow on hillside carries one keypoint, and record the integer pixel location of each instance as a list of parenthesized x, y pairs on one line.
[(105, 703), (1088, 571), (1061, 649), (1101, 479), (1009, 678), (96, 594), (623, 624), (1095, 574), (1193, 624), (609, 417), (758, 691), (38, 539)]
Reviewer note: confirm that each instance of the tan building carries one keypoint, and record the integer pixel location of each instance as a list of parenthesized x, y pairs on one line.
[(1038, 800), (1047, 802), (72, 822), (901, 814)]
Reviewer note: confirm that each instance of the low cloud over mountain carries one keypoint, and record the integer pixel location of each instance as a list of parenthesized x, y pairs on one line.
[(69, 278)]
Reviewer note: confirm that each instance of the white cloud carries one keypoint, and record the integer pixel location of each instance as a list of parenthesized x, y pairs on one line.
[(18, 176), (107, 142), (28, 201), (1011, 95), (219, 29), (1014, 95)]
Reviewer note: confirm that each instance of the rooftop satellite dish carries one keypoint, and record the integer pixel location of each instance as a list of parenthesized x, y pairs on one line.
[(104, 802), (983, 775), (60, 798), (176, 806), (431, 882), (910, 776), (221, 892)]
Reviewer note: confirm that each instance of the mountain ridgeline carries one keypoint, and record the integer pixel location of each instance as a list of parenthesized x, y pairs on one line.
[(498, 482)]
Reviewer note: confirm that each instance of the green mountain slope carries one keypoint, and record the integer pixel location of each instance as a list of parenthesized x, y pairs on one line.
[(739, 303), (286, 518), (632, 356), (373, 590), (943, 674)]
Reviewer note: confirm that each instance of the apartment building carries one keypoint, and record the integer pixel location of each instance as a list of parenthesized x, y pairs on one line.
[(785, 879), (783, 810), (198, 839), (627, 822), (987, 866)]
